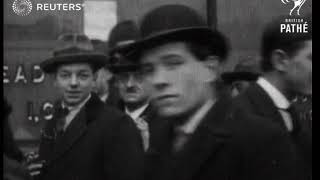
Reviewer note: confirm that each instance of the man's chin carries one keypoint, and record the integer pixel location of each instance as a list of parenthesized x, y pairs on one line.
[(73, 101), (131, 100), (168, 112)]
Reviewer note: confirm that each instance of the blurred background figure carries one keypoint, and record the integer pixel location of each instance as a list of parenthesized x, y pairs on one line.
[(13, 168), (105, 82), (245, 72), (134, 91), (303, 103)]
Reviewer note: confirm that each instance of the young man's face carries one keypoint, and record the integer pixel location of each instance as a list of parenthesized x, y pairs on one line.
[(132, 88), (180, 82), (299, 72), (74, 82)]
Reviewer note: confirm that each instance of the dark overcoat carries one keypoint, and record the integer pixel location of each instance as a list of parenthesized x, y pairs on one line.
[(196, 159), (261, 147), (242, 139), (100, 143)]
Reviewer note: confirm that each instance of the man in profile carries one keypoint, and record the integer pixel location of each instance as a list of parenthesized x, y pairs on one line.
[(269, 138)]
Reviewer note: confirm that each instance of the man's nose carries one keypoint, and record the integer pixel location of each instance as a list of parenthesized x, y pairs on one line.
[(159, 79), (74, 81), (131, 81)]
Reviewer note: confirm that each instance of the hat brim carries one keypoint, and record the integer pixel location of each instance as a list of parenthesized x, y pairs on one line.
[(200, 34), (96, 60), (230, 77)]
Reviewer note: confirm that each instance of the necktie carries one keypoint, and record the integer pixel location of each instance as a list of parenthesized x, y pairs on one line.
[(143, 127), (295, 118), (180, 139), (61, 119)]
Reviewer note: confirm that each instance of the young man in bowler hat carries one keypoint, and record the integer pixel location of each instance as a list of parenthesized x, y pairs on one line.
[(133, 89), (85, 139), (181, 57), (270, 140)]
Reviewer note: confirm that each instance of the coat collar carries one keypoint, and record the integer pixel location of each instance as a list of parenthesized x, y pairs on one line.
[(208, 137), (77, 127), (263, 103), (206, 140)]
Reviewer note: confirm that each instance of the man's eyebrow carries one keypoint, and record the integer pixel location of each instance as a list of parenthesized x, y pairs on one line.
[(168, 56), (84, 71), (64, 71)]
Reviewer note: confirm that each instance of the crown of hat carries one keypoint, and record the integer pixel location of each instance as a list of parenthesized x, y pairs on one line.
[(170, 17), (123, 33), (250, 65), (68, 44)]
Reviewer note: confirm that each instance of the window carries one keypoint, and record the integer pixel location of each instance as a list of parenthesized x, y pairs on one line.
[(99, 18)]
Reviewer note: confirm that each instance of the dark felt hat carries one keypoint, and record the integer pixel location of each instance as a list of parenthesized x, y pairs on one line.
[(247, 70), (73, 48), (176, 23), (122, 34)]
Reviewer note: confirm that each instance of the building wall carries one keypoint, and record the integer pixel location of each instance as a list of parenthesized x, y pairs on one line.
[(134, 9), (241, 21), (28, 40), (41, 25)]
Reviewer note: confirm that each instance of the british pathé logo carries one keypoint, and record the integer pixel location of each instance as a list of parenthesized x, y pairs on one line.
[(294, 26), (22, 7), (297, 4)]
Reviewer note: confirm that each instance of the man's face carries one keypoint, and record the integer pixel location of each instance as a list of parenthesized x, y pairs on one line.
[(299, 72), (180, 82), (239, 87), (74, 82), (132, 88)]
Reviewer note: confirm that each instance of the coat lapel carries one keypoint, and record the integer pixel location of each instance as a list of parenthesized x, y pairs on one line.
[(206, 140), (77, 127), (264, 104), (148, 114), (75, 130)]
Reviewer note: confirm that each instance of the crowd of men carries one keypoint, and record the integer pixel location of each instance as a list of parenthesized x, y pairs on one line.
[(157, 105)]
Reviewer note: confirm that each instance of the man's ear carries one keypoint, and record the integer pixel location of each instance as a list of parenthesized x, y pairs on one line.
[(213, 64), (279, 60)]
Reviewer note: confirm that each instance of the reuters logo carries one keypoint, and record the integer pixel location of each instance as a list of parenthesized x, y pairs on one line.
[(22, 7)]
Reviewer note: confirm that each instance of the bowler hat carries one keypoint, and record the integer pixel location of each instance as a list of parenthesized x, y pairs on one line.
[(176, 23), (73, 48), (247, 70), (122, 34)]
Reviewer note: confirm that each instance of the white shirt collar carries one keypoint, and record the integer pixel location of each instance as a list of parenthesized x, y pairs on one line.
[(277, 97), (73, 111), (136, 113), (104, 97), (191, 125)]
